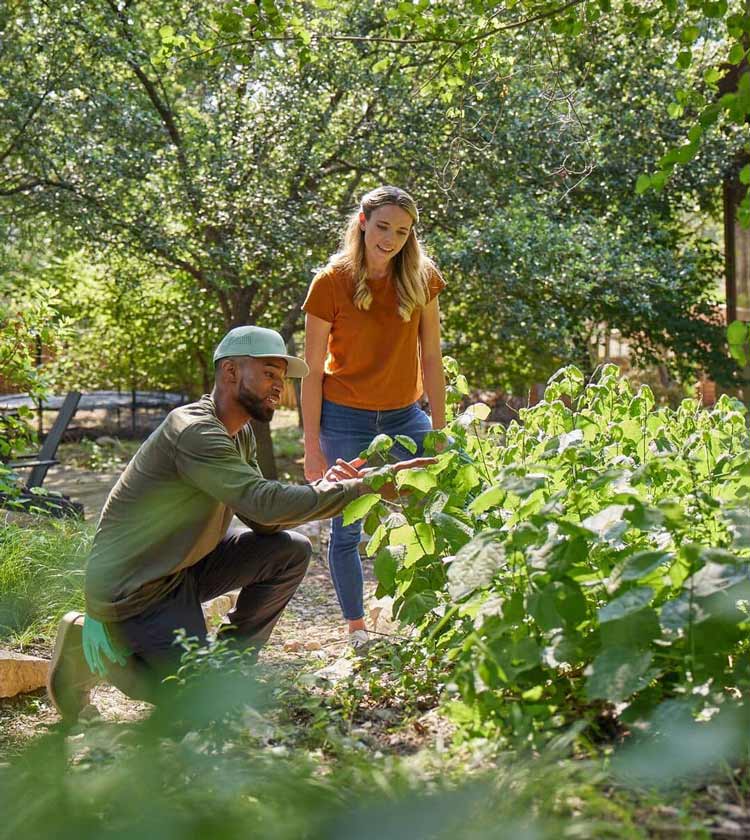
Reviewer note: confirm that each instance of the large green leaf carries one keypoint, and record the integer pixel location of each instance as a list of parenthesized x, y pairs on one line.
[(380, 445), (630, 602), (739, 526), (452, 531), (476, 563), (642, 563), (466, 479), (416, 479), (415, 607), (376, 540), (559, 604), (409, 444), (488, 499), (634, 630), (360, 507), (523, 485), (716, 577), (738, 332), (416, 540), (386, 566), (608, 524), (617, 673)]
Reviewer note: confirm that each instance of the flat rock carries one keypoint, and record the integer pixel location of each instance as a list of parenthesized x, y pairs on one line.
[(20, 673), (336, 671), (218, 607)]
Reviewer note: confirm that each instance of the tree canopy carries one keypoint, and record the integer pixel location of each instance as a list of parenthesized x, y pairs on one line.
[(192, 164)]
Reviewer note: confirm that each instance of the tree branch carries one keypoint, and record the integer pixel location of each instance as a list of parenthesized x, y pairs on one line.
[(367, 39), (162, 107)]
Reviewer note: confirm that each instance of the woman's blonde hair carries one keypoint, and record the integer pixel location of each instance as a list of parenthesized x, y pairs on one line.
[(411, 266)]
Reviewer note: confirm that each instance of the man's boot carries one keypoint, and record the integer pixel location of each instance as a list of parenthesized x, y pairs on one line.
[(69, 680)]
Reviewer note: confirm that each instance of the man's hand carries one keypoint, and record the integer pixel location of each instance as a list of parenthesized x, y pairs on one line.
[(352, 469)]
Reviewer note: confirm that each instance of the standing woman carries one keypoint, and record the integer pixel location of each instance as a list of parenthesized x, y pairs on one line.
[(372, 343)]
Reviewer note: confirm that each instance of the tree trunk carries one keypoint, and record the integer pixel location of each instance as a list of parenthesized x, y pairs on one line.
[(240, 301), (291, 346)]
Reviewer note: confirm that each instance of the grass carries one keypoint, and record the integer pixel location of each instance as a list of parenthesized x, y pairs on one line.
[(41, 576), (218, 765)]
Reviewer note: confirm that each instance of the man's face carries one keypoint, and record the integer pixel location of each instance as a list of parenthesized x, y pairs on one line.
[(259, 386)]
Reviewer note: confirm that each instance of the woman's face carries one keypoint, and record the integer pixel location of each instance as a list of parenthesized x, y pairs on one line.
[(386, 232)]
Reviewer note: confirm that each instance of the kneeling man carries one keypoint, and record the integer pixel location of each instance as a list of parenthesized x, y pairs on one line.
[(163, 543)]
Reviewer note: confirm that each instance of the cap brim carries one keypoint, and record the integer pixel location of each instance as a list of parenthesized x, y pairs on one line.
[(296, 368)]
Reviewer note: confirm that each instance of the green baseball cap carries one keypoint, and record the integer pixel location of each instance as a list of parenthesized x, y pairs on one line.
[(261, 343)]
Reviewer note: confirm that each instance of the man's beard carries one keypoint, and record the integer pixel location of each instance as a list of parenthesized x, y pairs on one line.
[(254, 406)]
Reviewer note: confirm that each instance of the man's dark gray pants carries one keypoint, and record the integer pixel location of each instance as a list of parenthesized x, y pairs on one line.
[(267, 568)]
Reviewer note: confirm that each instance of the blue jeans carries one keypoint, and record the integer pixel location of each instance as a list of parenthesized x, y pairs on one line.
[(344, 433)]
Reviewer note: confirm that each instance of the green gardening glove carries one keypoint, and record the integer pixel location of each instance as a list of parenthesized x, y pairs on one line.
[(98, 647)]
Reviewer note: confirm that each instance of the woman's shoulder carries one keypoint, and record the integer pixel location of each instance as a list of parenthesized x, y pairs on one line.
[(435, 281), (333, 274)]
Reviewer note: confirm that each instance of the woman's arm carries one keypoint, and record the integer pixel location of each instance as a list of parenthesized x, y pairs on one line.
[(432, 362), (316, 346)]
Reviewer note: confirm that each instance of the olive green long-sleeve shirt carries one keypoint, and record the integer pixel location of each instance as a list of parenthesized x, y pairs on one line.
[(174, 502)]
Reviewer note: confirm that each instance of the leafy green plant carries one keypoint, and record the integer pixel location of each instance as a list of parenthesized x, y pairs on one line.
[(26, 324), (592, 555), (22, 324)]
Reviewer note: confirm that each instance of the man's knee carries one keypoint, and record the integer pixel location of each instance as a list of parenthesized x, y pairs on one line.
[(300, 550)]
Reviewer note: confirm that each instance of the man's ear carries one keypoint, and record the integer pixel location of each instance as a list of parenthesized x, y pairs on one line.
[(229, 369)]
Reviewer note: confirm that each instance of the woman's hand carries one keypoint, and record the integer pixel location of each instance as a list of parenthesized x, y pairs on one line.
[(345, 469), (315, 464)]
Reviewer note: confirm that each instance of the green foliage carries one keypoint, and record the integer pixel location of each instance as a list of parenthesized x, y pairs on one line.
[(209, 155), (41, 576), (738, 338), (594, 552), (130, 327), (540, 290), (27, 322), (238, 778), (30, 324), (143, 140), (231, 753)]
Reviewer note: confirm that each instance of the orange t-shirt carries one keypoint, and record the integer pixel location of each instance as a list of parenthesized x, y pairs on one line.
[(373, 355)]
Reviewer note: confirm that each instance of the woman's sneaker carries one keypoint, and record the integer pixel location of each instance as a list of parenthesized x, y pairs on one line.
[(69, 679), (360, 641)]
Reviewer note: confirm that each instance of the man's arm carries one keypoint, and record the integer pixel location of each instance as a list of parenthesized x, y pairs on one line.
[(207, 458)]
